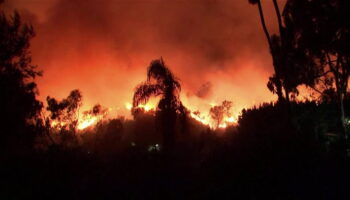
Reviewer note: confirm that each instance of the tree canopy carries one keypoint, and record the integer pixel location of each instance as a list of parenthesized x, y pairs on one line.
[(18, 104)]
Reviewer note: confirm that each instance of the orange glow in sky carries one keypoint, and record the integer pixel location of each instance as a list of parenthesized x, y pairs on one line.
[(103, 48)]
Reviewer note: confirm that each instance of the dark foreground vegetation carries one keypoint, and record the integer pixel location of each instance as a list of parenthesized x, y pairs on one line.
[(282, 150), (119, 159)]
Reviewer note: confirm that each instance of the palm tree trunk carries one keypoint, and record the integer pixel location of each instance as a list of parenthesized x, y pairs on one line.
[(168, 123), (268, 37)]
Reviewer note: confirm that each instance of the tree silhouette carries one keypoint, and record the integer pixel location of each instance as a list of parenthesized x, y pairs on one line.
[(96, 111), (275, 80), (323, 32), (292, 65), (296, 66), (162, 83), (65, 113), (218, 113), (18, 103)]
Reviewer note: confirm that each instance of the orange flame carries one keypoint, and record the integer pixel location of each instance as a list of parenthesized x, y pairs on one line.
[(208, 121), (84, 121), (205, 119), (147, 107), (57, 124), (87, 122)]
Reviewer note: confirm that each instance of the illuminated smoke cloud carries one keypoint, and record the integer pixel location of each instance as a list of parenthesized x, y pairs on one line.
[(205, 90), (104, 47)]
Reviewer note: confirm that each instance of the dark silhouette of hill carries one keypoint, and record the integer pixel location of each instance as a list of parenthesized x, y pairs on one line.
[(116, 159)]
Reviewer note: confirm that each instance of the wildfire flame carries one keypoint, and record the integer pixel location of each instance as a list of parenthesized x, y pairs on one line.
[(201, 119), (208, 121), (56, 124), (204, 119), (147, 107), (84, 121), (87, 122), (89, 119)]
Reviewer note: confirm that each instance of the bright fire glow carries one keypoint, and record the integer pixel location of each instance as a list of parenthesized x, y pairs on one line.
[(231, 120), (89, 121), (208, 121), (85, 121), (205, 119), (128, 106), (147, 107), (57, 124), (201, 119)]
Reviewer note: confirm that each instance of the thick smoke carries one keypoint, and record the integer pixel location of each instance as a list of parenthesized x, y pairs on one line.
[(205, 90), (103, 47)]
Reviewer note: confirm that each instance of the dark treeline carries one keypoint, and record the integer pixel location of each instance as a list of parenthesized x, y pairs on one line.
[(287, 149)]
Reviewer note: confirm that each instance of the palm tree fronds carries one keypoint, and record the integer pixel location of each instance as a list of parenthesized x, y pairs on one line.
[(144, 91), (160, 72)]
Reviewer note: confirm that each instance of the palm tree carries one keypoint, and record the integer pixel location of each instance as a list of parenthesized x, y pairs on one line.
[(276, 78), (162, 83)]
